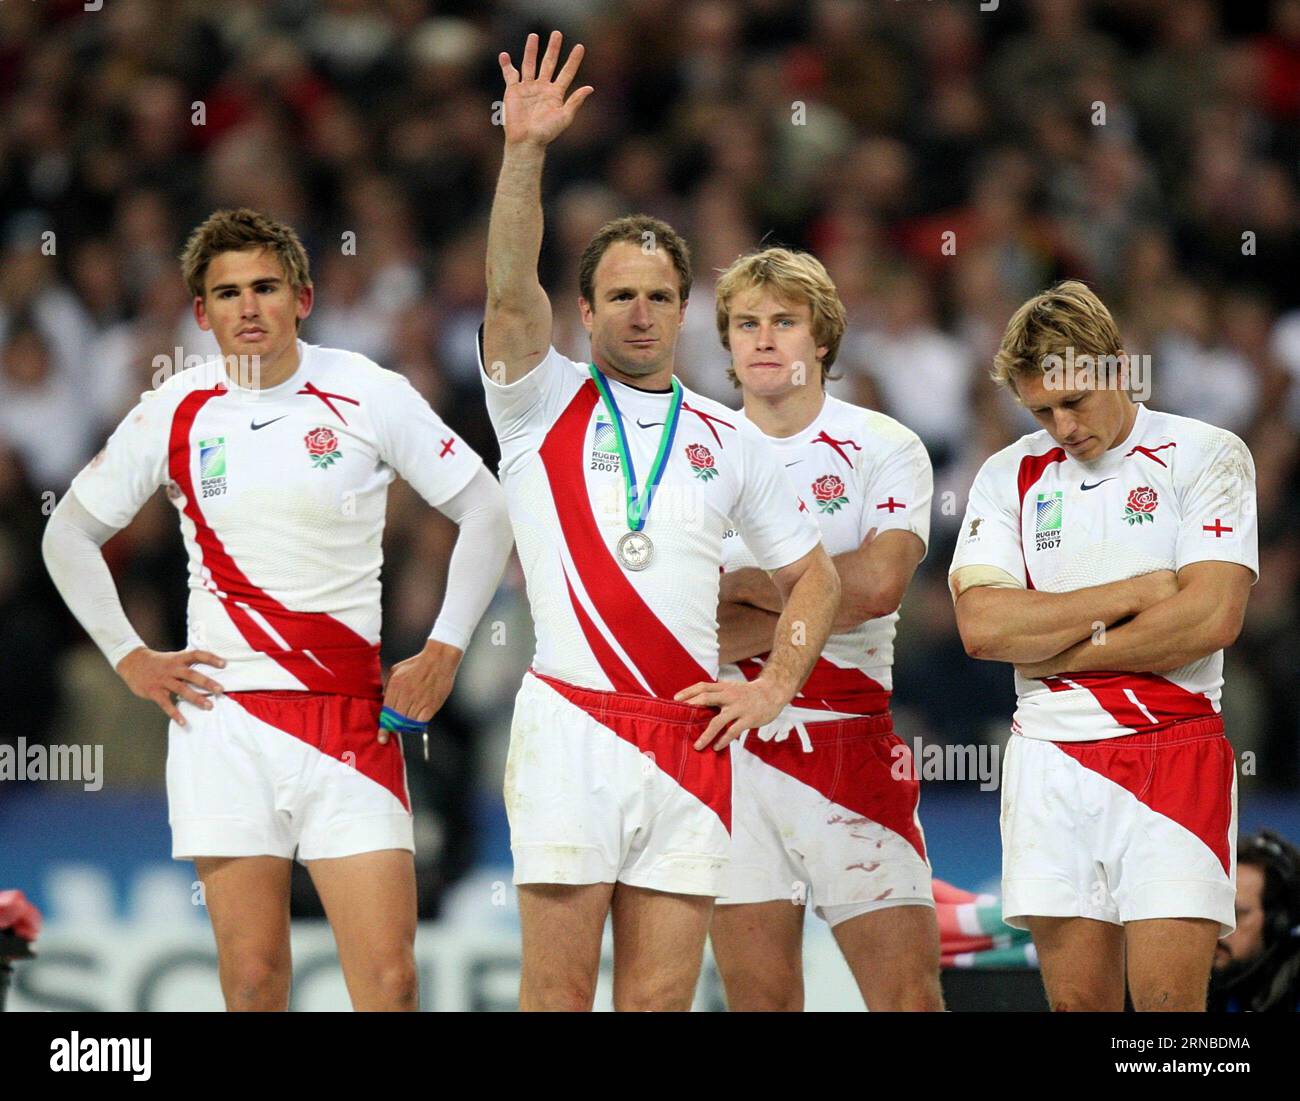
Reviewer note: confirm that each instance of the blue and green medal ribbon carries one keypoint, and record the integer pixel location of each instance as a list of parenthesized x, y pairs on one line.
[(638, 509)]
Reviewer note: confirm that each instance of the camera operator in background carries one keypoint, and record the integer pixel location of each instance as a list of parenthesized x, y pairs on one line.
[(1257, 968)]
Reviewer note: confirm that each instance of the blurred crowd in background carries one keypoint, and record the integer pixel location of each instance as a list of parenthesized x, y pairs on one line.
[(943, 161)]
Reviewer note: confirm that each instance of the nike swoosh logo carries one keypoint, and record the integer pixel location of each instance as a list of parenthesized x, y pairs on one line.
[(1085, 486), (652, 424), (795, 463), (255, 426)]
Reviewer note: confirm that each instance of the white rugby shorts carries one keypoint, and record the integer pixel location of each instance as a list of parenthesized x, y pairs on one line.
[(837, 826), (605, 787), (1121, 829), (271, 773)]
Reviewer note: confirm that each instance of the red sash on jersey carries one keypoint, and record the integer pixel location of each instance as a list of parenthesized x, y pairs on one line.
[(664, 663), (321, 652)]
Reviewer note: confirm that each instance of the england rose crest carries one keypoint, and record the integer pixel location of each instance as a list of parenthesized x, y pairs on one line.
[(323, 447), (829, 493), (701, 460), (1141, 505)]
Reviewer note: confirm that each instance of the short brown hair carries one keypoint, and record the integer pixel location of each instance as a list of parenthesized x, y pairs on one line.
[(235, 231), (793, 277), (1068, 315), (640, 229)]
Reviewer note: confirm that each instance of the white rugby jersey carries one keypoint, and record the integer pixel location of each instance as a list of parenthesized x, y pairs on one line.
[(1176, 491), (856, 469), (600, 625), (281, 494)]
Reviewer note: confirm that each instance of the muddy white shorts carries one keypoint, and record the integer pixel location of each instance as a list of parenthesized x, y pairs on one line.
[(1123, 829), (268, 773), (605, 787), (836, 826)]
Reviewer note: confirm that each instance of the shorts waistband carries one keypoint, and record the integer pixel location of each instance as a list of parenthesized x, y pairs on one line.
[(1186, 730), (841, 730), (290, 695), (597, 703)]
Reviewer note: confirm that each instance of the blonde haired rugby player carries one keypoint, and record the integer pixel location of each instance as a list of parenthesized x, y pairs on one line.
[(828, 816), (1109, 557), (620, 483), (277, 456)]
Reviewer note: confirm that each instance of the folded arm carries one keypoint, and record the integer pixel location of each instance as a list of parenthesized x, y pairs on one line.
[(811, 591), (744, 631), (1204, 615), (1023, 625), (873, 578)]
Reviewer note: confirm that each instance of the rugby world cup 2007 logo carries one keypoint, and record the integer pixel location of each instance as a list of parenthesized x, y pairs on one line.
[(604, 448), (212, 467), (1047, 520)]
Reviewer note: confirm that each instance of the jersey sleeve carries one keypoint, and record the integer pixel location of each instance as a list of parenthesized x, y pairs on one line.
[(117, 482), (1217, 509), (775, 525), (524, 409), (419, 446), (990, 530), (736, 555), (900, 491)]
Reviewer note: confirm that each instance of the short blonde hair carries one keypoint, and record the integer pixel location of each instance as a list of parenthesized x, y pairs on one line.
[(1068, 315), (793, 277), (235, 231)]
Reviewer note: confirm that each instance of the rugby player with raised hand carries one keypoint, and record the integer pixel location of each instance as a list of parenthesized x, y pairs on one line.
[(620, 484)]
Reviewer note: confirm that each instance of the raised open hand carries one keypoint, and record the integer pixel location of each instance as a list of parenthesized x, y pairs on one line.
[(536, 111)]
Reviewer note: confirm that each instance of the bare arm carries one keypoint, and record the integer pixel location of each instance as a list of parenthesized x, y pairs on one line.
[(744, 631), (1205, 615), (753, 587), (811, 589), (873, 579), (517, 320), (1022, 625)]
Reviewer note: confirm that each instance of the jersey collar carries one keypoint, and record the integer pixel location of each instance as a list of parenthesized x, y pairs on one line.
[(804, 435), (1114, 455), (289, 386)]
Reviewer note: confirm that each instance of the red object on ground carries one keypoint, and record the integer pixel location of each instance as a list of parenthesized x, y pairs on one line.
[(18, 915)]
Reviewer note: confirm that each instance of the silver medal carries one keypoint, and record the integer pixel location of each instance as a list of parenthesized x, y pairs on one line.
[(635, 550)]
